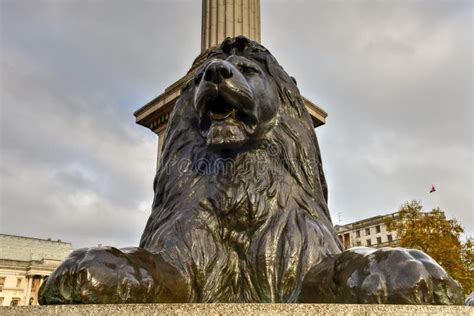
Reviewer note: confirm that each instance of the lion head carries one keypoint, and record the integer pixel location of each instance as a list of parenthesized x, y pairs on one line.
[(241, 179), (234, 100)]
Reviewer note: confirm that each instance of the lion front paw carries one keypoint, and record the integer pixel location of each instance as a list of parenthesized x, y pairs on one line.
[(98, 276), (398, 276), (380, 276)]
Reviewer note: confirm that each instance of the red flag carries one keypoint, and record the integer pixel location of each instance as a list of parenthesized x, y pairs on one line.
[(432, 189)]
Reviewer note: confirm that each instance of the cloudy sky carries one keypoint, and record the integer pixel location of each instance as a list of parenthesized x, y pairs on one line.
[(396, 78)]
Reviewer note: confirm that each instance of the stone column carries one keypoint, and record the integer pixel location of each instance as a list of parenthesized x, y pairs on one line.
[(229, 18), (28, 289)]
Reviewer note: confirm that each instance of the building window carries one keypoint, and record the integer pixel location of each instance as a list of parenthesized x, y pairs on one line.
[(15, 301), (358, 243), (2, 282), (377, 229), (369, 243), (347, 241), (379, 240), (357, 233), (367, 231), (18, 282), (389, 238)]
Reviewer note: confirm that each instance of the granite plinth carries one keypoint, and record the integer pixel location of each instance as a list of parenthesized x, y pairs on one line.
[(237, 309)]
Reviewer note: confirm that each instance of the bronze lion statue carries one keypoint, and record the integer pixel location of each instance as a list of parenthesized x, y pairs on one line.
[(240, 209)]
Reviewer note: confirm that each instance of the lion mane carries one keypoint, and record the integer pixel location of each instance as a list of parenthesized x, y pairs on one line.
[(244, 226)]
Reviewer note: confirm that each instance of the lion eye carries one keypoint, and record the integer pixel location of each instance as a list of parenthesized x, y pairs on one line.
[(248, 69)]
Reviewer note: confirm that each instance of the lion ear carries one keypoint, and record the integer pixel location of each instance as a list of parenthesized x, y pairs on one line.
[(294, 80)]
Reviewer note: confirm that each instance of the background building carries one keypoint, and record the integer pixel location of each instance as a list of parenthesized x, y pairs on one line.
[(370, 232), (24, 263)]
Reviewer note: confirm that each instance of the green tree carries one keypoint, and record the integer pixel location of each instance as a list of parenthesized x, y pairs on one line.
[(437, 236)]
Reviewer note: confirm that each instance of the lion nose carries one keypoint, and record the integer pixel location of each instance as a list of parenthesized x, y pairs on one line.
[(217, 72)]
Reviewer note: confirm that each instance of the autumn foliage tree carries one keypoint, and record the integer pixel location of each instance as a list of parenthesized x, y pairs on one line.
[(437, 236)]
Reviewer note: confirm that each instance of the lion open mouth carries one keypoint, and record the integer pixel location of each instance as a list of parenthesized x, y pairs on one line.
[(220, 111), (224, 125)]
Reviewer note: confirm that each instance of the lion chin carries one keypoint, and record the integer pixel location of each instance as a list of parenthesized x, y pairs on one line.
[(225, 130)]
